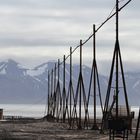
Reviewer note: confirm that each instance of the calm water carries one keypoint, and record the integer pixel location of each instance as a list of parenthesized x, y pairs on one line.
[(26, 110), (29, 110)]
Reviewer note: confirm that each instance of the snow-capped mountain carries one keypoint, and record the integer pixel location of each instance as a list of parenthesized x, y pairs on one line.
[(16, 86), (23, 85), (11, 68)]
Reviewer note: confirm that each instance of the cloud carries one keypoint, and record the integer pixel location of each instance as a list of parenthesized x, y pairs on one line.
[(37, 28)]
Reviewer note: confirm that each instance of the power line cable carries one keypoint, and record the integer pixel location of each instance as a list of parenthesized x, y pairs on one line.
[(111, 14)]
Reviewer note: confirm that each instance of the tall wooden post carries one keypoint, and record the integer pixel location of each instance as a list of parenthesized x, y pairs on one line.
[(48, 111), (118, 61), (64, 90)]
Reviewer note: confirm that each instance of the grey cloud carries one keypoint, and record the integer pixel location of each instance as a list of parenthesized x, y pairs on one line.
[(37, 22), (66, 4), (6, 42), (37, 41)]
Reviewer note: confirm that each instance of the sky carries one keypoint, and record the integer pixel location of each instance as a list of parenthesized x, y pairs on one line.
[(37, 31)]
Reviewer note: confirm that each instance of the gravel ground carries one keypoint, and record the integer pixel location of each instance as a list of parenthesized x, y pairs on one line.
[(43, 130)]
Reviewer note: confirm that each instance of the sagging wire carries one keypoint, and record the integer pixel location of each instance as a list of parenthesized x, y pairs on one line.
[(111, 14)]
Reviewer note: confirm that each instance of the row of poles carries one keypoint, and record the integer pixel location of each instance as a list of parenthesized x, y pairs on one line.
[(67, 105)]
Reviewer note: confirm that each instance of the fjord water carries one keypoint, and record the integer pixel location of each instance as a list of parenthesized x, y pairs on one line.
[(23, 110), (38, 111)]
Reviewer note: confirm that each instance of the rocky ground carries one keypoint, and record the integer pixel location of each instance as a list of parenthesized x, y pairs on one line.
[(43, 130)]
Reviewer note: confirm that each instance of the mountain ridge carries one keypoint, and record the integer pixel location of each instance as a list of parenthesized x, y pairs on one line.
[(19, 84)]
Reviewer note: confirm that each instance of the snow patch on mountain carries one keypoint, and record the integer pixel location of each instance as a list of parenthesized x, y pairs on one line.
[(38, 70), (23, 85), (12, 68), (136, 84)]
